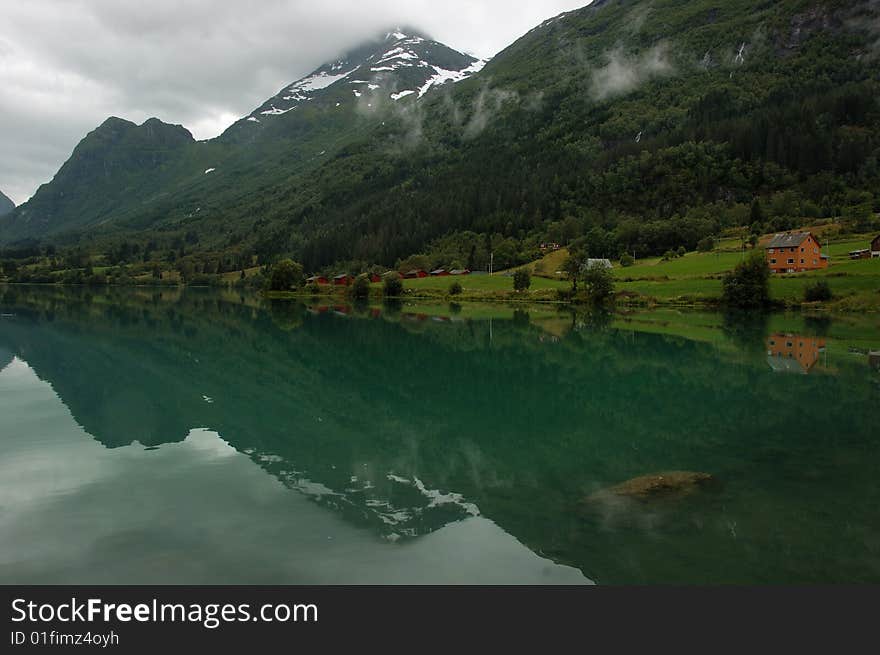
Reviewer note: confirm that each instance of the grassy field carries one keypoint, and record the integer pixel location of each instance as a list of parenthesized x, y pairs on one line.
[(697, 276), (496, 282), (693, 278)]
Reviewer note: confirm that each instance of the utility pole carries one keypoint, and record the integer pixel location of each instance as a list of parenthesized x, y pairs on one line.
[(491, 262)]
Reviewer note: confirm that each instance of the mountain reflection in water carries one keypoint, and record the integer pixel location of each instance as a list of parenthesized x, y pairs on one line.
[(420, 444)]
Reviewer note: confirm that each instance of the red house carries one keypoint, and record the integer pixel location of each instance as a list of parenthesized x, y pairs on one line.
[(375, 277), (440, 272), (318, 279), (341, 280), (795, 252), (415, 273)]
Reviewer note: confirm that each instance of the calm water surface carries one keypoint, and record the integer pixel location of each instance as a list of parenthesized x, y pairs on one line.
[(203, 437)]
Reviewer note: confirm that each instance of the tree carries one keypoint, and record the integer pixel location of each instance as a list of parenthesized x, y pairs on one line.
[(360, 288), (627, 260), (706, 244), (392, 285), (572, 269), (285, 275), (522, 279), (756, 214), (599, 284), (414, 262), (748, 285)]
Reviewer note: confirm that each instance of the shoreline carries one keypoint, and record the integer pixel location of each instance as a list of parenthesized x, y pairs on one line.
[(625, 300)]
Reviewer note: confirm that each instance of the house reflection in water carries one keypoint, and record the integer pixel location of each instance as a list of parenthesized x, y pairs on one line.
[(793, 353)]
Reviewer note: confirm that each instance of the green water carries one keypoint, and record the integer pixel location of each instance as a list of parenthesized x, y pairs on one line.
[(206, 437)]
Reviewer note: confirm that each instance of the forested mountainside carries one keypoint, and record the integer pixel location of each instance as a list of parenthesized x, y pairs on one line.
[(635, 125), (6, 204)]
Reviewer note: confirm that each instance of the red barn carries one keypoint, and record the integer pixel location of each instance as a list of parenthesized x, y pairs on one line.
[(415, 274), (341, 280), (795, 252), (875, 247), (440, 272), (375, 277), (318, 279), (459, 271)]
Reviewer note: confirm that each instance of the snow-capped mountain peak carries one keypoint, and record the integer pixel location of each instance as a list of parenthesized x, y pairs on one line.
[(401, 63)]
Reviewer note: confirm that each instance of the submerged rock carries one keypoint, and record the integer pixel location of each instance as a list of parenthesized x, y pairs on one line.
[(671, 484)]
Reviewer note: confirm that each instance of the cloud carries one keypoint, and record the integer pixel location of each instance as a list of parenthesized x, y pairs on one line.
[(486, 106), (624, 73), (65, 65)]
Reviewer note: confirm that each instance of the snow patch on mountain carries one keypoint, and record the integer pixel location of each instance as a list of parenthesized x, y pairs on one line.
[(443, 76), (274, 111)]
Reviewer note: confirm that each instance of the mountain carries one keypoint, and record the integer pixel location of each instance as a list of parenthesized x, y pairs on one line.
[(630, 125), (402, 64), (123, 176), (116, 164), (6, 205)]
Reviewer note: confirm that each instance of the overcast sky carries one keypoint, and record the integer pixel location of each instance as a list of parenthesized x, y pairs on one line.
[(66, 65)]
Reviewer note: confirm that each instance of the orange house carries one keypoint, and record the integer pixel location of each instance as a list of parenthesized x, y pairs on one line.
[(795, 252), (793, 353)]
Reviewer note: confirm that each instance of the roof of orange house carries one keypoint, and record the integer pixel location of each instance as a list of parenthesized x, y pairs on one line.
[(787, 240)]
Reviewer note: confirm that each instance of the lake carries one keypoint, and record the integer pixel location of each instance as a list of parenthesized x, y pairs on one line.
[(203, 436)]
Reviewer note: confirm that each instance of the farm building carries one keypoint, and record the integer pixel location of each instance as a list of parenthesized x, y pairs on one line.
[(794, 252), (875, 246), (341, 280), (599, 263), (415, 274), (459, 271), (864, 253), (440, 272), (318, 279), (375, 277)]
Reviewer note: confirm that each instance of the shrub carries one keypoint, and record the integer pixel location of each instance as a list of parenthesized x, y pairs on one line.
[(669, 255), (564, 295), (392, 285), (681, 252), (748, 285), (627, 260), (522, 279), (819, 291), (314, 288), (455, 288), (360, 288), (706, 244)]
